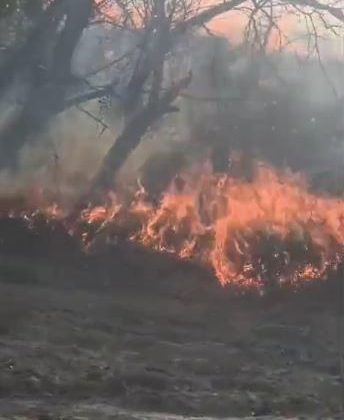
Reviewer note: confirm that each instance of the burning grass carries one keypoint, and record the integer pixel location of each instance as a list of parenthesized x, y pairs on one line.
[(271, 230)]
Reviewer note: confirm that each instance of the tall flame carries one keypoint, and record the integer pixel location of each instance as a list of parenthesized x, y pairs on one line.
[(245, 231), (270, 229)]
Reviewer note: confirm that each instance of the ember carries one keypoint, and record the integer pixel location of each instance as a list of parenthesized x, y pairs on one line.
[(269, 230)]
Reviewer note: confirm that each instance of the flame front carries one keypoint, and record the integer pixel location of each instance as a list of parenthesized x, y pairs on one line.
[(270, 229), (247, 232)]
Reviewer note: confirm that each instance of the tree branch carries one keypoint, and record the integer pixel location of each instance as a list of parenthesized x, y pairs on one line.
[(88, 96), (205, 16), (132, 134), (314, 4), (78, 14)]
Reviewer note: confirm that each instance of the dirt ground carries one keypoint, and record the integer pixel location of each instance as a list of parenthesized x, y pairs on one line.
[(129, 334)]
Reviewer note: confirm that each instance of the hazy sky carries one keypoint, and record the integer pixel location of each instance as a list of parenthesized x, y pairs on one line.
[(232, 25)]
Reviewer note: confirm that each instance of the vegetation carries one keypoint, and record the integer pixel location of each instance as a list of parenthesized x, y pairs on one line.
[(42, 60)]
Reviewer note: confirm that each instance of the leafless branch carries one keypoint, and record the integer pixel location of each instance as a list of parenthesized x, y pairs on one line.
[(93, 117)]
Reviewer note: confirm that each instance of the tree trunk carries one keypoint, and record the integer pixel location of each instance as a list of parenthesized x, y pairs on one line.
[(47, 97), (125, 144), (132, 134), (29, 56), (78, 14)]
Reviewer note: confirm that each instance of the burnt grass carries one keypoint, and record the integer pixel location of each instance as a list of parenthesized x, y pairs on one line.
[(125, 332)]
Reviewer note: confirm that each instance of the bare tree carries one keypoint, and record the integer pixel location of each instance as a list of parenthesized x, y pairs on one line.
[(163, 24), (45, 60)]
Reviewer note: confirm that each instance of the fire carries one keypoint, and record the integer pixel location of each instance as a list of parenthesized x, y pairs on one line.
[(226, 223), (249, 233)]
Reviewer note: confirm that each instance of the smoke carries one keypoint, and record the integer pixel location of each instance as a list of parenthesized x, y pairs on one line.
[(275, 108), (62, 160)]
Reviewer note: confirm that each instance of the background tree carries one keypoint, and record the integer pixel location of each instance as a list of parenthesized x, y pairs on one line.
[(43, 60)]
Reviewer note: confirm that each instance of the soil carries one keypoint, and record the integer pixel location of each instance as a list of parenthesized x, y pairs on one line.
[(129, 334)]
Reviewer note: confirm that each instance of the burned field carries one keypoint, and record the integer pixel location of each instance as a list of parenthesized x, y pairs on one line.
[(171, 209), (121, 330)]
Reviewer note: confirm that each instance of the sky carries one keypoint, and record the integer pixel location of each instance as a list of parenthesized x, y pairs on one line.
[(232, 26)]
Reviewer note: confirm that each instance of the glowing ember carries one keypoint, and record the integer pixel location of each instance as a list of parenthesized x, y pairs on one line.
[(249, 233)]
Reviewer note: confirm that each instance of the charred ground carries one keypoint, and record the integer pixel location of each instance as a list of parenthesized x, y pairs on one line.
[(128, 332)]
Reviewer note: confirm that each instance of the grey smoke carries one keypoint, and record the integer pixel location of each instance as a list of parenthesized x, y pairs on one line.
[(66, 156)]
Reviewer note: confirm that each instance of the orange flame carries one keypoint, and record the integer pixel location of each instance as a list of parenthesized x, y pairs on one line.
[(248, 233), (238, 227)]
